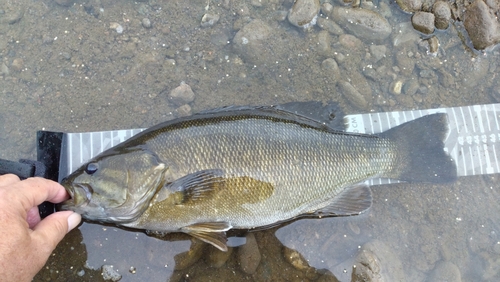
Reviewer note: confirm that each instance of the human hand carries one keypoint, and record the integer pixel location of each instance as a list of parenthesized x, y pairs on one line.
[(26, 241)]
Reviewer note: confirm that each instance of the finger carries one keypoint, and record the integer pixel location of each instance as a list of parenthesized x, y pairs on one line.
[(8, 179), (51, 230), (34, 191), (33, 217)]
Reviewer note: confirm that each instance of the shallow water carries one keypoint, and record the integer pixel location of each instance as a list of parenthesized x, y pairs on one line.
[(77, 74)]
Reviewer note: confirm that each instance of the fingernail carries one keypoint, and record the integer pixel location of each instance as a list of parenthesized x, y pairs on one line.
[(73, 220)]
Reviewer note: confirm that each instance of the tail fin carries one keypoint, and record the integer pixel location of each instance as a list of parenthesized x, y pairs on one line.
[(420, 148)]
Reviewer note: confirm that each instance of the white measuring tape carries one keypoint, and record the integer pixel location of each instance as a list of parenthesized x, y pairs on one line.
[(473, 140)]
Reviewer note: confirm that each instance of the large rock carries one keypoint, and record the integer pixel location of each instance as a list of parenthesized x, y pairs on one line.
[(481, 25), (363, 23), (252, 43)]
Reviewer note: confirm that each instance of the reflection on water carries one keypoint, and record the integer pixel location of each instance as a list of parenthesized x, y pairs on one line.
[(71, 68)]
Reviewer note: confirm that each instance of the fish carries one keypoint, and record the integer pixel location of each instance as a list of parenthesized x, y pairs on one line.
[(250, 168)]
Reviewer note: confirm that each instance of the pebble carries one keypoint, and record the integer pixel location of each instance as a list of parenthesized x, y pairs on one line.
[(181, 95), (324, 39), (304, 13), (442, 14), (362, 23), (331, 68), (183, 111), (17, 64), (109, 273), (217, 258), (330, 26), (295, 259), (146, 23), (433, 45), (410, 6), (445, 271), (249, 255), (209, 20), (376, 262), (423, 22), (116, 26), (396, 87), (352, 95), (378, 52), (481, 25)]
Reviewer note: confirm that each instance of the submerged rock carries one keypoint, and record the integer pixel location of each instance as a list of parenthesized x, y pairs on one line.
[(423, 22), (363, 23), (249, 255), (252, 42), (481, 25), (304, 13)]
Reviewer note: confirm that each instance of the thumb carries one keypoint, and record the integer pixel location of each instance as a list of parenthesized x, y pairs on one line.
[(51, 230)]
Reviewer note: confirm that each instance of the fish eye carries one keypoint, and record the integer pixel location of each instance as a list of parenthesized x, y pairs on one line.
[(91, 168)]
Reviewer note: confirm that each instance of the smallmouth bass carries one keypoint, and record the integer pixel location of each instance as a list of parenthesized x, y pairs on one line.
[(250, 167)]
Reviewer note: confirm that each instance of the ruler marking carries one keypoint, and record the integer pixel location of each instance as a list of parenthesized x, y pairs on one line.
[(496, 159), (456, 121), (489, 168), (379, 122), (472, 119), (496, 117), (472, 161), (371, 123), (487, 117), (480, 160), (463, 119)]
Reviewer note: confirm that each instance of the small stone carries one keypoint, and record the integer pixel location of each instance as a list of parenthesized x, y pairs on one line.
[(209, 20), (109, 273), (433, 45), (352, 95), (423, 22), (442, 14), (324, 42), (183, 111), (249, 255), (362, 23), (326, 8), (410, 6), (331, 68), (116, 26), (295, 259), (396, 87), (330, 26), (181, 95), (146, 23), (378, 52), (304, 13), (17, 64)]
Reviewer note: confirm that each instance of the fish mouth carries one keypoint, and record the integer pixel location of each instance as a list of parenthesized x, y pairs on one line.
[(79, 196)]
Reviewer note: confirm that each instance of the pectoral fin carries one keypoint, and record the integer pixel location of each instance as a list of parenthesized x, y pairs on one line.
[(213, 233), (352, 201)]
